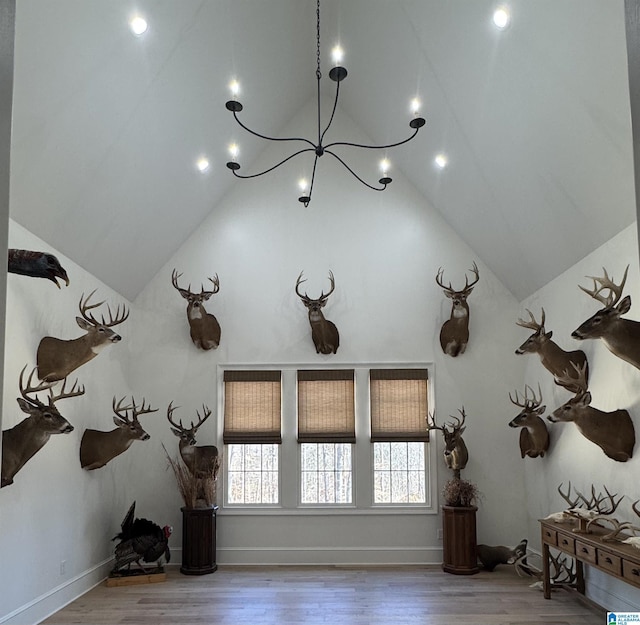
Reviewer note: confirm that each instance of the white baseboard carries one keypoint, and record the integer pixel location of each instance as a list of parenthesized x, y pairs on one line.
[(50, 602), (340, 556)]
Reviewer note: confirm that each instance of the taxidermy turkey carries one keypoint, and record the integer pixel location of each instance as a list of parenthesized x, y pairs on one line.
[(141, 540), (36, 265)]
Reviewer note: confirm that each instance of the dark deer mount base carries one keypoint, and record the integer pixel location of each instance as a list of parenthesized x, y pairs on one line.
[(459, 549), (199, 541)]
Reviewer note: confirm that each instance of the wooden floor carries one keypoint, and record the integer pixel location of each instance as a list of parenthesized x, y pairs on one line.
[(331, 595)]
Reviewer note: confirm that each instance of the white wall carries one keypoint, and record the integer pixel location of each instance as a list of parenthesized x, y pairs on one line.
[(55, 511), (613, 384), (385, 250)]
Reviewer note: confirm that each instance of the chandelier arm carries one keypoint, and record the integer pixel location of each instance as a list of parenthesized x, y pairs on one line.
[(257, 134), (353, 173), (313, 175), (333, 112), (266, 171), (373, 147)]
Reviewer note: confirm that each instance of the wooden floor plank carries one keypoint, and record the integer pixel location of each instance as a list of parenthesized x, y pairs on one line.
[(332, 596)]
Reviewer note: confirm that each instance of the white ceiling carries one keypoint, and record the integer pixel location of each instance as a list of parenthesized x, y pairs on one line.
[(535, 119)]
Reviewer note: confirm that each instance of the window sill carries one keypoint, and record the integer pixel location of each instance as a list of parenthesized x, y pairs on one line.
[(326, 511)]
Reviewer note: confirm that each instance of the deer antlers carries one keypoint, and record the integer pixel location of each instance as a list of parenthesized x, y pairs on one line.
[(432, 425), (323, 298), (606, 283), (595, 502), (206, 413), (567, 380), (113, 321), (34, 401), (122, 412), (467, 287), (532, 324), (184, 292), (530, 403)]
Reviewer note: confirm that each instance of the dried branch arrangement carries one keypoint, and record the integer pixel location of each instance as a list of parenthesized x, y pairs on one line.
[(197, 491)]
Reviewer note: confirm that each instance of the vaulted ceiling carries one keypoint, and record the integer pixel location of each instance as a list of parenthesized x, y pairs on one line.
[(534, 119)]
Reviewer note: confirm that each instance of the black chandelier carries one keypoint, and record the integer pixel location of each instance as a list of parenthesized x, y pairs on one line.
[(337, 74)]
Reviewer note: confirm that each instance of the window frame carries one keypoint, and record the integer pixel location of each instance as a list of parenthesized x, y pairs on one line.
[(332, 505), (393, 504), (289, 458)]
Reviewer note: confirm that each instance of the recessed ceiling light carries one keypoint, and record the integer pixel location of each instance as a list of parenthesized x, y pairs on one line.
[(501, 17), (138, 25), (441, 161), (202, 164)]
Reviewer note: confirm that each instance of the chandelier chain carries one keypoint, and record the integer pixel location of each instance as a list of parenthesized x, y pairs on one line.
[(318, 73)]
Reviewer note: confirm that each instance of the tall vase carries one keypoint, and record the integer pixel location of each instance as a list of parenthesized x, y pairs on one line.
[(199, 540), (459, 546)]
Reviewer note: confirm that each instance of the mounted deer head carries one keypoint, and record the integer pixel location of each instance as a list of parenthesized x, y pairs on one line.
[(613, 431), (621, 336), (201, 460), (21, 442), (455, 452), (97, 447), (553, 358), (323, 332), (203, 326), (454, 334), (57, 358), (534, 436)]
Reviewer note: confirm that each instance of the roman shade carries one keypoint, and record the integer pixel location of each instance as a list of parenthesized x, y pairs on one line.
[(252, 407), (326, 407), (399, 405)]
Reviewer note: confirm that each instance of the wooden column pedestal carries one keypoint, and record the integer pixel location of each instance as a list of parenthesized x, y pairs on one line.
[(199, 540), (459, 547)]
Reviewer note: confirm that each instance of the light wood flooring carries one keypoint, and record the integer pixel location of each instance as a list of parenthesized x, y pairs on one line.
[(330, 595)]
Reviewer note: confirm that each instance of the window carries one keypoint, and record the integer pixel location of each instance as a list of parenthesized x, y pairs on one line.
[(252, 433), (303, 440), (398, 473), (326, 473), (326, 433), (252, 476), (399, 408)]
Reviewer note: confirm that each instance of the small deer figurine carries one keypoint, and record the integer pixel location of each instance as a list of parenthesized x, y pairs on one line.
[(21, 442), (491, 556), (454, 334), (534, 436), (455, 452), (97, 447), (203, 326), (613, 431), (201, 460), (57, 358), (323, 332), (552, 357), (621, 336)]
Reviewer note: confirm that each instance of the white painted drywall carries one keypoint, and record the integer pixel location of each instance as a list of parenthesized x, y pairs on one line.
[(55, 511)]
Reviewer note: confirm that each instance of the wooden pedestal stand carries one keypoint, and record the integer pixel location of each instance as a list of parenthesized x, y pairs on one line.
[(459, 550), (199, 540)]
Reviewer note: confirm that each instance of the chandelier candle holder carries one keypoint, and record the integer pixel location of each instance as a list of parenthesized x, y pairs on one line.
[(337, 74)]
